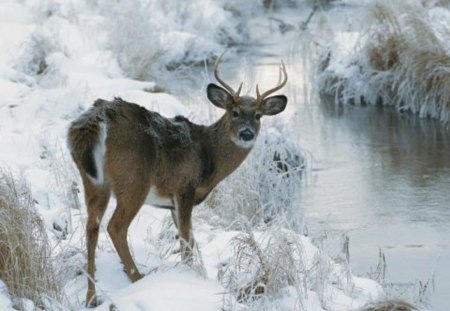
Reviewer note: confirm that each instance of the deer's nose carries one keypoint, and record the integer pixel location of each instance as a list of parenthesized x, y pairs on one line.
[(246, 135)]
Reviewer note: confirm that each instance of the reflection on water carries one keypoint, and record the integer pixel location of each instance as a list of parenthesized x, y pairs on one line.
[(398, 164), (383, 178)]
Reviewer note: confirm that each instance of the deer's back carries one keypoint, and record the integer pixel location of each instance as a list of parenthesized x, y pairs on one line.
[(143, 144)]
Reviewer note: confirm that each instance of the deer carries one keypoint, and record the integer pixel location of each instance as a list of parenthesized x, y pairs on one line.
[(141, 157)]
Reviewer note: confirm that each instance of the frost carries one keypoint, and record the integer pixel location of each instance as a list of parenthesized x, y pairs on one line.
[(402, 60)]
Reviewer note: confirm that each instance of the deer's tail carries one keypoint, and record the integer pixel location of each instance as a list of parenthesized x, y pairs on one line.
[(86, 140)]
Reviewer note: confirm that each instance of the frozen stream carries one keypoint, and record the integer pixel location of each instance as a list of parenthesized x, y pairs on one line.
[(379, 177)]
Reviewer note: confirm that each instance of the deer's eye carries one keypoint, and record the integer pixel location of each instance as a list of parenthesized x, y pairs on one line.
[(235, 113), (258, 116)]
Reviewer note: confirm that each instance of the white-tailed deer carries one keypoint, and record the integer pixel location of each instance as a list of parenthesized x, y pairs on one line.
[(143, 157)]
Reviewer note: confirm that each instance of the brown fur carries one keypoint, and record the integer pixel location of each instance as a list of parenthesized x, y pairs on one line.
[(183, 161)]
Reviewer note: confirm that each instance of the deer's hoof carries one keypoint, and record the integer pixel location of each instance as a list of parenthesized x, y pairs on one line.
[(92, 300), (136, 276)]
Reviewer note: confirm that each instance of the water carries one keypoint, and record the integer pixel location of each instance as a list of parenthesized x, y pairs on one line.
[(383, 179), (378, 176)]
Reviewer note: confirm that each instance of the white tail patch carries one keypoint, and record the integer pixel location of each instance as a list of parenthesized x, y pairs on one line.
[(99, 154)]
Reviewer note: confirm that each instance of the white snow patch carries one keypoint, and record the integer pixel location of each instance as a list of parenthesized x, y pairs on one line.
[(172, 290), (5, 301)]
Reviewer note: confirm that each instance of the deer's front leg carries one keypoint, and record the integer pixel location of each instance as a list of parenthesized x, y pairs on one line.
[(183, 212)]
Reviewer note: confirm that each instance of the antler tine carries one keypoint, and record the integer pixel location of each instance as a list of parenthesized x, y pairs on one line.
[(225, 85), (239, 89), (260, 97)]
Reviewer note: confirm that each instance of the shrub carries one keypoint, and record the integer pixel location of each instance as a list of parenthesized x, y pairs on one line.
[(269, 266), (150, 37), (25, 260), (263, 267), (264, 187), (404, 61)]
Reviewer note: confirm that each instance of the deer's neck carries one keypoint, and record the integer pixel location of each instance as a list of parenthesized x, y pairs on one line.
[(226, 155)]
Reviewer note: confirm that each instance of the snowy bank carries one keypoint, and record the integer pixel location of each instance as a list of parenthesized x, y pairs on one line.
[(402, 60)]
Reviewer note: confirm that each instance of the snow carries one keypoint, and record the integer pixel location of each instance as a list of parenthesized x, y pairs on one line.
[(35, 110), (5, 301), (169, 290)]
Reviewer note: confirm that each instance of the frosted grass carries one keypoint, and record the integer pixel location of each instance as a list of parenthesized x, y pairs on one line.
[(401, 60)]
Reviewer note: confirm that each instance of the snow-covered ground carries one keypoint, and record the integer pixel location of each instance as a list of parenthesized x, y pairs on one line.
[(56, 58)]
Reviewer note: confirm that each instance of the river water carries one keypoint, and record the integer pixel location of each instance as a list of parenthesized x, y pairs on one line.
[(383, 179), (379, 177)]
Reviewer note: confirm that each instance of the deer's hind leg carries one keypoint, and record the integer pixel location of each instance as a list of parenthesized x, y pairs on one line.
[(97, 198), (128, 205)]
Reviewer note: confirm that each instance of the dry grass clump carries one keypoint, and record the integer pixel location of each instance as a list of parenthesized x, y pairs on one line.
[(25, 261), (404, 61), (395, 305), (262, 267)]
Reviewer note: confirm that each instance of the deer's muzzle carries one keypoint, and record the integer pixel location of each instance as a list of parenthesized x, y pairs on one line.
[(246, 134)]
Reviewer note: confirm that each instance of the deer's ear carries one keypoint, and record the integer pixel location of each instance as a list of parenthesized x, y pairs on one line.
[(218, 96), (274, 105)]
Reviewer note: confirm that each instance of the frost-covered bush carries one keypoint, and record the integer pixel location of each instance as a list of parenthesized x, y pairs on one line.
[(25, 254), (151, 36), (278, 269), (262, 267), (65, 32), (64, 183), (40, 45), (264, 187), (403, 60)]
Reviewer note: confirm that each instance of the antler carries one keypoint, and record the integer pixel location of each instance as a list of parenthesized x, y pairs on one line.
[(261, 97), (234, 94)]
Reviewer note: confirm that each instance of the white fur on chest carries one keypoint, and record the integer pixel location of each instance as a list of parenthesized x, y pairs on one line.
[(155, 199)]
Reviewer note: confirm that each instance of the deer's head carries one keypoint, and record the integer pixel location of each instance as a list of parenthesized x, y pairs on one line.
[(243, 113)]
